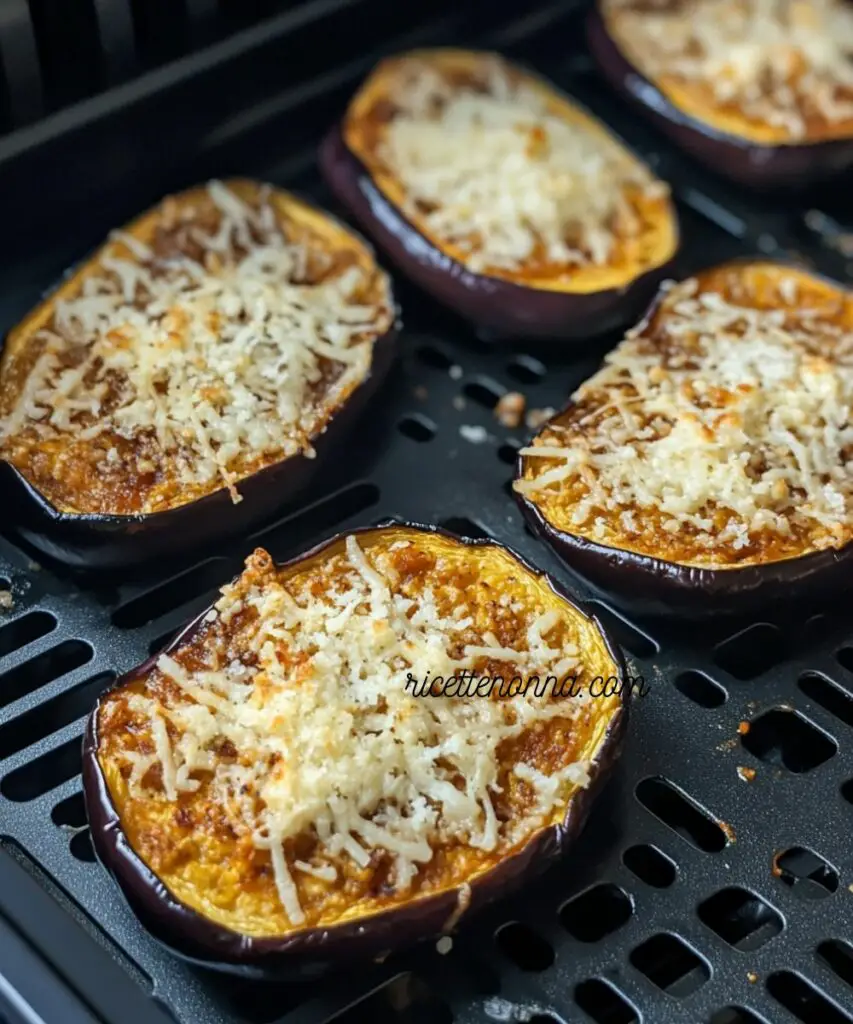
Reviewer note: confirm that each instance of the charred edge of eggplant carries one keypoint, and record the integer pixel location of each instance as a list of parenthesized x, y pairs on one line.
[(189, 935), (745, 161), (102, 542), (511, 310)]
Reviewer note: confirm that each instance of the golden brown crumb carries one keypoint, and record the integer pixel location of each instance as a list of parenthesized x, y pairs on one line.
[(510, 409), (537, 417), (746, 774)]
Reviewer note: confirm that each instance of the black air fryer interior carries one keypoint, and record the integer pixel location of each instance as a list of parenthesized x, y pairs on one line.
[(695, 895)]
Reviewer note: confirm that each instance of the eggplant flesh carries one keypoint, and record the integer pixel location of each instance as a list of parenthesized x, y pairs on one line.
[(752, 153), (190, 443), (212, 894), (775, 541), (569, 295)]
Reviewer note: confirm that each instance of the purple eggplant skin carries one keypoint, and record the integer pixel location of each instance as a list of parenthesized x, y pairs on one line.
[(312, 952), (512, 310), (104, 542), (744, 161), (655, 588)]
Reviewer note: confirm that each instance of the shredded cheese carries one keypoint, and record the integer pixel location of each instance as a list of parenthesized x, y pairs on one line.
[(325, 740), (225, 352), (783, 63), (490, 167), (731, 424)]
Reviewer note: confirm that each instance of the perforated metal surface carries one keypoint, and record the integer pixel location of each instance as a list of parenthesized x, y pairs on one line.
[(716, 871)]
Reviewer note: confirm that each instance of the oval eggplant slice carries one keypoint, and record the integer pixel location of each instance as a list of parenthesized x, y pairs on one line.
[(760, 92), (500, 196), (351, 751), (706, 467), (190, 378)]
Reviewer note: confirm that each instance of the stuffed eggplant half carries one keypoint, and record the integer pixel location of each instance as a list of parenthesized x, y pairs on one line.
[(500, 196), (761, 91), (708, 466), (189, 379), (352, 751)]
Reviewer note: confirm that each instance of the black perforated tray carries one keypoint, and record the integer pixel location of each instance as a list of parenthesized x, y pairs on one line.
[(716, 871)]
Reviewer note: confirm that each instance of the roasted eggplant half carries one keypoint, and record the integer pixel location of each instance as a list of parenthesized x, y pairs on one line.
[(708, 466), (500, 196), (191, 378), (760, 91), (352, 751)]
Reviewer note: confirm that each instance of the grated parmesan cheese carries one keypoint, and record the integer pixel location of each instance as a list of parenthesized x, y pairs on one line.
[(724, 422), (783, 63), (325, 739), (197, 365), (491, 167)]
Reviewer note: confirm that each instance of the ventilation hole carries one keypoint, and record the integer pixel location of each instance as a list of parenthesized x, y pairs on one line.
[(524, 947), (292, 533), (597, 912), (650, 865), (431, 355), (682, 814), (847, 790), (752, 651), (526, 370), (838, 957), (808, 874), (201, 579), (417, 427), (836, 701), (624, 632), (671, 964), (81, 847), (736, 1015), (741, 918), (803, 1000), (603, 1003), (701, 689), (784, 738), (464, 528), (70, 812), (484, 391), (24, 630), (44, 773), (42, 669), (508, 452), (53, 715), (845, 658)]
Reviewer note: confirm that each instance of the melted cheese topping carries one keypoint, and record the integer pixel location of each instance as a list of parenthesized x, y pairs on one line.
[(719, 433), (784, 65), (275, 771), (181, 363), (503, 172)]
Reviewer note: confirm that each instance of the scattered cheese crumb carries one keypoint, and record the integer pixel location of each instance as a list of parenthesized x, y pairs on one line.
[(510, 409), (475, 434), (7, 602), (538, 417)]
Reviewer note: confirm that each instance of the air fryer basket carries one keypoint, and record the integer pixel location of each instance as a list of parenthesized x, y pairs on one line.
[(714, 881)]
